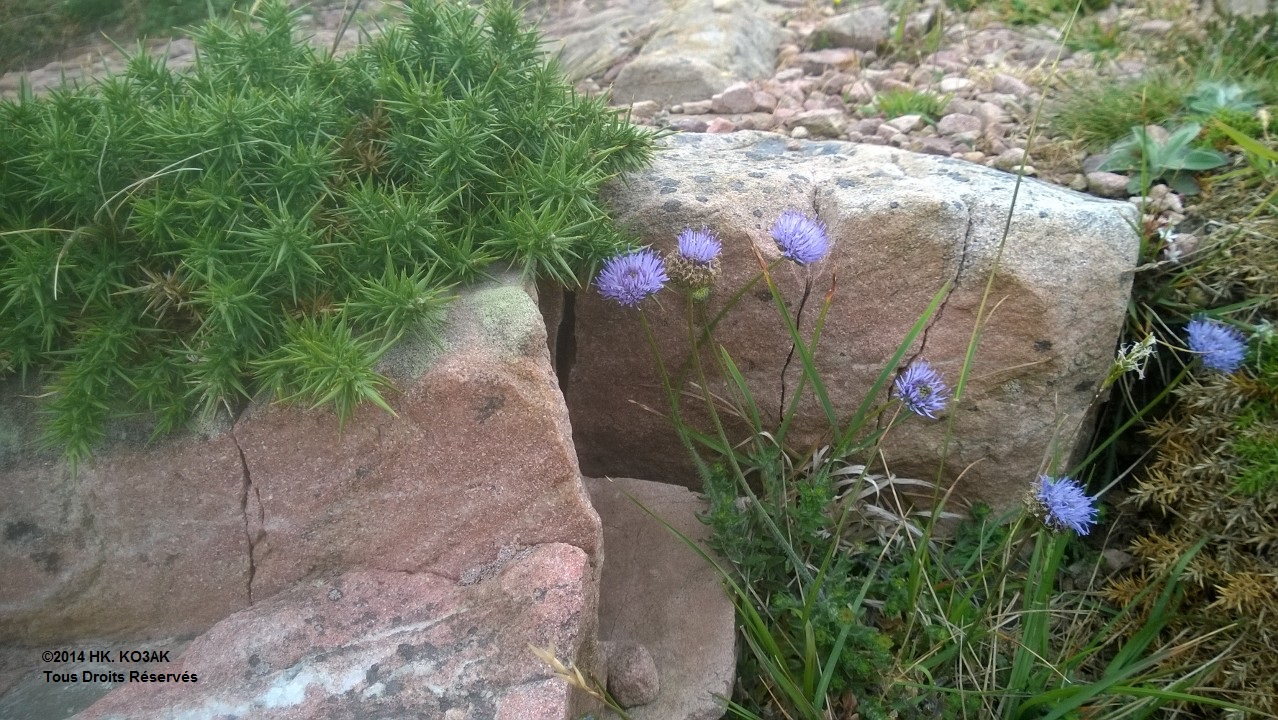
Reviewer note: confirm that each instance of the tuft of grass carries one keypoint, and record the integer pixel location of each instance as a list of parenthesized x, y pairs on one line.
[(900, 102), (1099, 113)]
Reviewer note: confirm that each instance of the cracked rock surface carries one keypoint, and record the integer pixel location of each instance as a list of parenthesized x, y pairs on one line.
[(165, 540)]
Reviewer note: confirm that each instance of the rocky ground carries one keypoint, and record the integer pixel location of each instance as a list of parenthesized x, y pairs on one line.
[(830, 68)]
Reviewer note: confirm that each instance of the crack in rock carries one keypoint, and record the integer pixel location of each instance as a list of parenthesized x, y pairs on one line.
[(249, 535)]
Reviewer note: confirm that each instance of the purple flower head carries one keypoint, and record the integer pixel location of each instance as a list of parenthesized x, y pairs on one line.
[(699, 246), (630, 278), (800, 238), (1065, 504), (921, 389), (1221, 347)]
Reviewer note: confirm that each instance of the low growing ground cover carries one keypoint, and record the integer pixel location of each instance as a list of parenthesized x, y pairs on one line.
[(276, 218)]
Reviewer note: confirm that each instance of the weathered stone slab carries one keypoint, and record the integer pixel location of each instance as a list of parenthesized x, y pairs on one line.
[(658, 594), (387, 644), (165, 540), (903, 225)]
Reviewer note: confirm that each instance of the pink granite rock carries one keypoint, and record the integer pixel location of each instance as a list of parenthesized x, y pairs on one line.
[(388, 644), (735, 99), (167, 540)]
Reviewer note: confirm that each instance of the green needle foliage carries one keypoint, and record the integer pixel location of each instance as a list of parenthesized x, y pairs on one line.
[(174, 243)]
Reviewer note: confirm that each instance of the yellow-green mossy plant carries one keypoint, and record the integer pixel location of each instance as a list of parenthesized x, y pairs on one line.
[(1215, 472)]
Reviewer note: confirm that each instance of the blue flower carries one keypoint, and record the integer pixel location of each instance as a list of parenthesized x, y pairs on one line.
[(628, 279), (800, 238), (921, 389), (1065, 504), (699, 246), (1221, 347)]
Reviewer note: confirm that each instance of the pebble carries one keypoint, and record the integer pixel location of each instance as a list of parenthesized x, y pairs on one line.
[(690, 124), (959, 123), (1008, 159), (821, 123), (1011, 85), (720, 125), (1107, 184), (765, 101), (906, 123), (735, 99), (955, 85), (697, 107)]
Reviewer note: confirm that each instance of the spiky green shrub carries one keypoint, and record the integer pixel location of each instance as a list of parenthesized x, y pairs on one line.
[(174, 243)]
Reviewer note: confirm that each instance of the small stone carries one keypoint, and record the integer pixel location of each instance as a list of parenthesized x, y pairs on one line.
[(868, 126), (757, 121), (1009, 159), (859, 92), (934, 146), (1116, 560), (690, 124), (974, 156), (962, 106), (886, 132), (955, 85), (676, 109), (1011, 85), (900, 139), (765, 101), (789, 74), (906, 123), (895, 84), (1078, 181), (1107, 184), (720, 125), (697, 107), (818, 62), (735, 99), (799, 133), (833, 83), (959, 123), (875, 77), (644, 109), (825, 123), (990, 113)]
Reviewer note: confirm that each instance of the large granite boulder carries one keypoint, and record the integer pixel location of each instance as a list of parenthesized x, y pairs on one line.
[(166, 540), (903, 225), (387, 644), (698, 50)]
